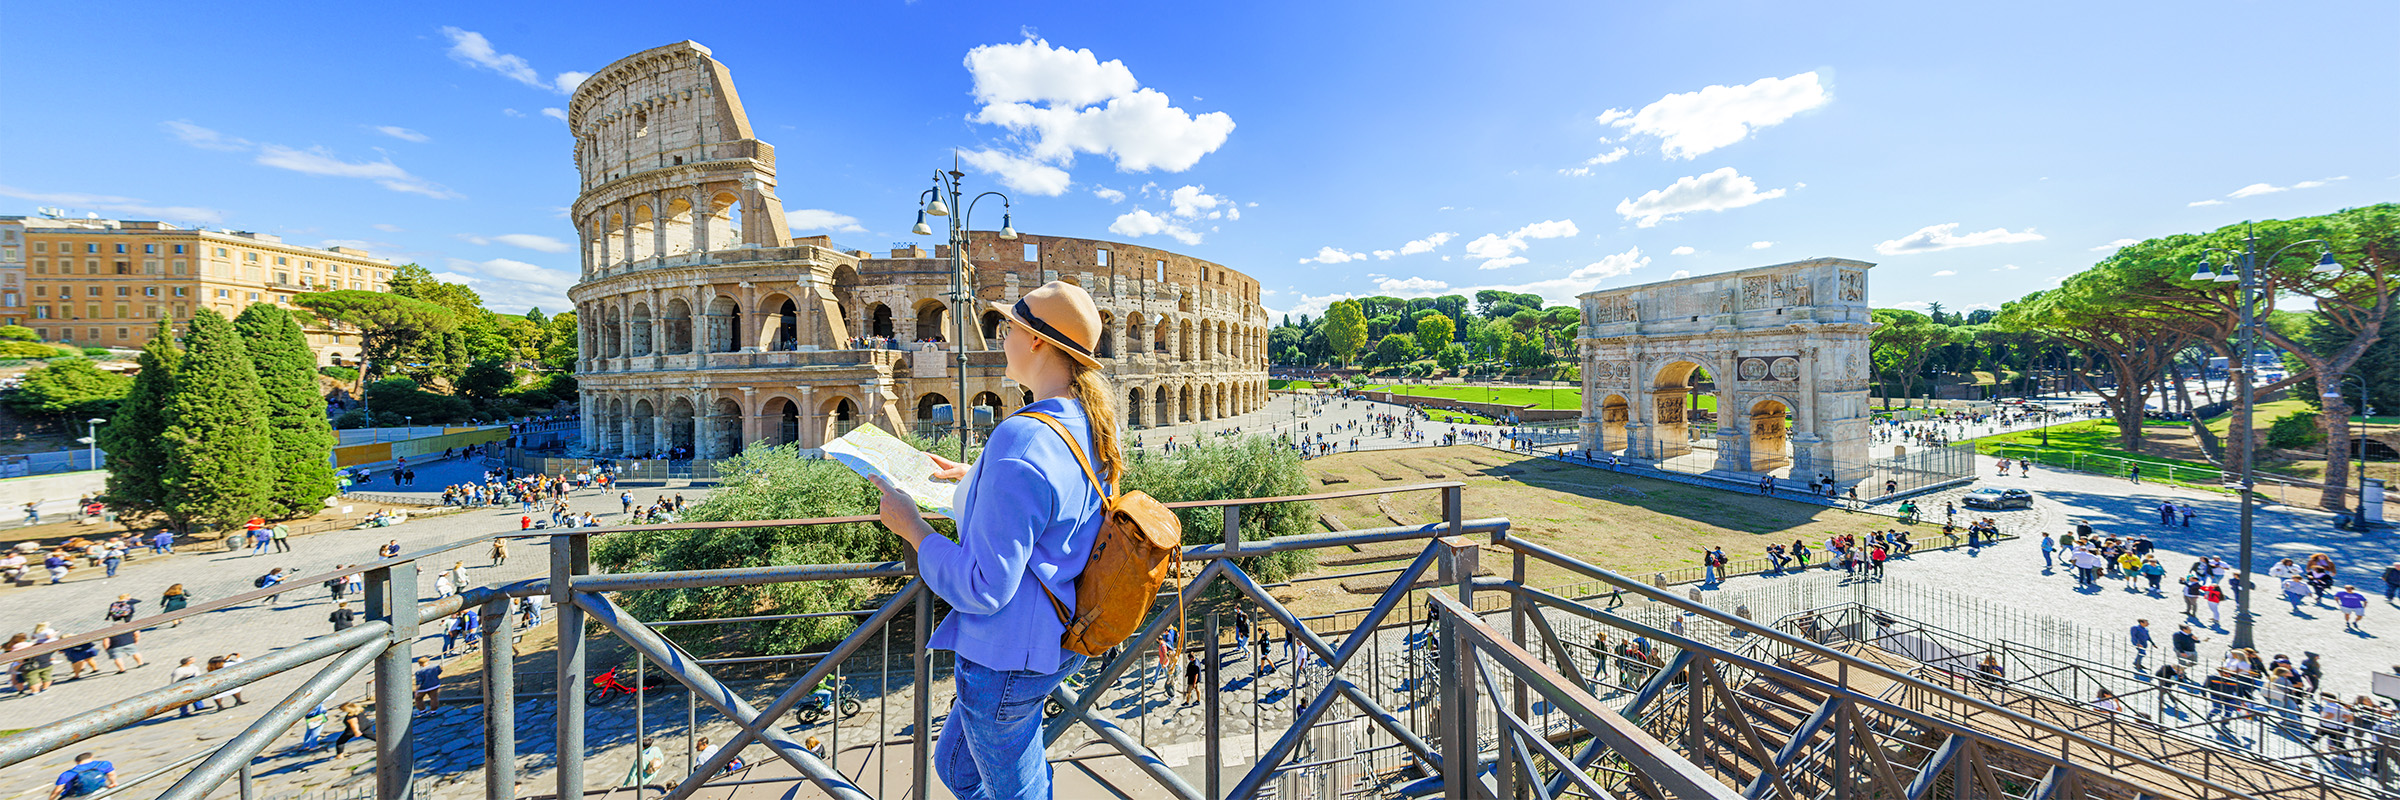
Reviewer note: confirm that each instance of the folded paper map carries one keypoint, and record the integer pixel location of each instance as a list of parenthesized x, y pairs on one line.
[(871, 452)]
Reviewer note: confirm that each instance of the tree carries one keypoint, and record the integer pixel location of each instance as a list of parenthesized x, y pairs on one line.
[(1345, 330), (219, 472), (302, 440), (1435, 331), (1451, 356), (135, 436), (68, 389), (1901, 343), (398, 401), (561, 349), (18, 333), (1397, 348), (396, 334), (485, 381)]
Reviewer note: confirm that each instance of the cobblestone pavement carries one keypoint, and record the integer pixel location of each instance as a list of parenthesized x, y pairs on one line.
[(2011, 575)]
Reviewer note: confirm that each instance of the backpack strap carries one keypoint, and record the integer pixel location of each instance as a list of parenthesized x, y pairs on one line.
[(1066, 616)]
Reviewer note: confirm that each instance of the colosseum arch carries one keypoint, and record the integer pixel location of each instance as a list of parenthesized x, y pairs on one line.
[(989, 408), (677, 225), (678, 327), (784, 414), (1184, 341), (613, 240), (1134, 343), (879, 320), (1108, 335), (1162, 397), (724, 214), (840, 413), (778, 323), (842, 309), (645, 428), (612, 428), (991, 325), (679, 424), (724, 325), (932, 321), (642, 332), (640, 246), (929, 406), (612, 333), (1162, 333), (1133, 407)]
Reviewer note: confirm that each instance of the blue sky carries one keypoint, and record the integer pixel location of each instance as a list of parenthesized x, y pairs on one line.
[(1974, 152)]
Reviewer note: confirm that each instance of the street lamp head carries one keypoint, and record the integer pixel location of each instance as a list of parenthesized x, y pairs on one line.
[(2206, 273), (96, 421), (921, 229), (2229, 275), (936, 208), (1006, 230), (2326, 265)]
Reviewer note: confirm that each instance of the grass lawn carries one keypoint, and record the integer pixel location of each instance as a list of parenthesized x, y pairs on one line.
[(1561, 397), (1438, 415), (1622, 522)]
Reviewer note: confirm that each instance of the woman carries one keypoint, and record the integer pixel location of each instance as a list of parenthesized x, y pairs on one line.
[(221, 699), (1991, 672), (173, 600), (1027, 516), (353, 717)]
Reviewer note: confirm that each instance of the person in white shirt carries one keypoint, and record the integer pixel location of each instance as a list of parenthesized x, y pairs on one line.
[(190, 668)]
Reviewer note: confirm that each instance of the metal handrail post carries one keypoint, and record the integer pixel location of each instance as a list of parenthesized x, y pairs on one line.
[(922, 755), (1215, 765), (569, 556), (499, 701), (392, 598)]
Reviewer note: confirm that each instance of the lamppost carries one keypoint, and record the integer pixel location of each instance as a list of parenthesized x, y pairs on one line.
[(91, 442), (962, 295), (2248, 283), (2359, 441)]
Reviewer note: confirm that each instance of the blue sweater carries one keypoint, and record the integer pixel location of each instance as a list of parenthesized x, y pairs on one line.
[(1026, 513)]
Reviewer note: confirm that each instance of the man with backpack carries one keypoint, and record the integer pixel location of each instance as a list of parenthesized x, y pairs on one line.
[(89, 776), (274, 577)]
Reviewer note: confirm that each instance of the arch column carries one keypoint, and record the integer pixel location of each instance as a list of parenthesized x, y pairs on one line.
[(701, 214), (753, 425), (658, 226), (658, 424), (601, 225), (812, 429)]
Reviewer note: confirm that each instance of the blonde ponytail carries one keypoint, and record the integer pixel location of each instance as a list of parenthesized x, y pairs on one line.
[(1099, 400)]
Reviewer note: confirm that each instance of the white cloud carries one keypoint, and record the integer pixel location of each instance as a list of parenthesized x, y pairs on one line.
[(1913, 305), (402, 134), (1410, 286), (1609, 157), (1945, 273), (1611, 266), (1058, 102), (1111, 195), (1195, 201), (1139, 223), (510, 112), (117, 206), (818, 219), (1427, 244), (529, 241), (1761, 245), (1714, 191), (1941, 237), (1555, 290), (511, 286), (1019, 173), (1681, 273), (2114, 246), (1497, 250), (555, 113), (322, 162), (358, 244), (2198, 203), (386, 227), (1682, 251), (1333, 255), (203, 138), (1386, 255), (2256, 189), (471, 49), (2005, 267), (1693, 123)]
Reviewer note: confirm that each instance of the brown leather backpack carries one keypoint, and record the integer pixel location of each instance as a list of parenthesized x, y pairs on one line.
[(1140, 541)]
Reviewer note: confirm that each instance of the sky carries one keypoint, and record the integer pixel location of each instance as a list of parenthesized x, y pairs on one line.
[(1975, 153)]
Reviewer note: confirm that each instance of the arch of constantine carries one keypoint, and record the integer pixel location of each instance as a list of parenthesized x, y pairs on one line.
[(706, 326), (1782, 348)]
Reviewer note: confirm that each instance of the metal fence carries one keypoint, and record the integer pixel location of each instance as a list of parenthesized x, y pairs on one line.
[(2280, 490)]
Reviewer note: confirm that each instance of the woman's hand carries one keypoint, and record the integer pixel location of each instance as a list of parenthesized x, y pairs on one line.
[(900, 514), (947, 470)]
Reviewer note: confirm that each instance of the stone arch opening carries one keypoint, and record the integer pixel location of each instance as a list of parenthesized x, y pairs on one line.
[(1108, 335), (612, 334), (642, 332), (1133, 407), (724, 221), (933, 318), (879, 320), (1134, 343), (677, 225), (841, 415), (1675, 393), (645, 429), (724, 325), (991, 325), (933, 414), (779, 320), (612, 429), (1615, 413), (988, 411), (1769, 427), (1164, 398), (787, 418), (845, 297), (1160, 333), (642, 246), (679, 428), (613, 240), (724, 429), (679, 327), (1184, 341)]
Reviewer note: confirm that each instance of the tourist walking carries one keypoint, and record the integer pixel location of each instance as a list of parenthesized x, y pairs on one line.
[(2141, 641), (90, 775), (2354, 606)]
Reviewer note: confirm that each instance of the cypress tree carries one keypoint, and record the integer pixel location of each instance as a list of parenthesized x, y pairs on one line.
[(219, 471), (134, 435), (300, 436)]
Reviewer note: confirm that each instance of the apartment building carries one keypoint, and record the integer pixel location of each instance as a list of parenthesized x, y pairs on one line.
[(107, 283)]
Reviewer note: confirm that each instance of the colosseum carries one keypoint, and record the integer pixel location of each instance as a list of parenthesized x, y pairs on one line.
[(707, 326)]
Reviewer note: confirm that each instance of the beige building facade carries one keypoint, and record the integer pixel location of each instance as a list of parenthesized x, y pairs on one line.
[(1783, 348), (706, 326), (107, 283)]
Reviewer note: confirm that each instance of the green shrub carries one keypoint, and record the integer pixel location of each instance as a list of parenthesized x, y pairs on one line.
[(2295, 431), (353, 418), (343, 374), (12, 348), (95, 352), (18, 333)]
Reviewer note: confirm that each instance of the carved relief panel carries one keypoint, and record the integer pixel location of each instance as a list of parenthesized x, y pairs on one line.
[(1670, 410)]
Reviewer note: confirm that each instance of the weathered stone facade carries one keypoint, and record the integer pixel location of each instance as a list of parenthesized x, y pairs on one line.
[(707, 326), (1788, 339)]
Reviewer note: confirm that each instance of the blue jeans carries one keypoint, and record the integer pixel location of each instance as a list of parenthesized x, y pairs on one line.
[(991, 748)]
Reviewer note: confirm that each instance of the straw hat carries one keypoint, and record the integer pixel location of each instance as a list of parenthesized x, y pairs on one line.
[(1062, 314)]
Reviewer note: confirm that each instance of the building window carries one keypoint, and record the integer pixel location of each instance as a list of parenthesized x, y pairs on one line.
[(91, 291), (121, 310), (179, 291), (42, 312), (179, 311), (95, 334), (41, 247), (284, 278), (149, 291), (91, 266), (250, 257), (1103, 256), (150, 248), (1033, 252), (179, 249), (150, 267), (254, 297), (41, 291), (8, 254), (178, 267), (92, 311), (41, 267), (120, 249), (150, 312), (220, 294), (280, 262), (310, 266), (220, 252), (91, 247)]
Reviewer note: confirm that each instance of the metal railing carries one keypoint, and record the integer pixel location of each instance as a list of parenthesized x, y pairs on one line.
[(1416, 707)]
